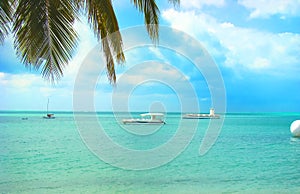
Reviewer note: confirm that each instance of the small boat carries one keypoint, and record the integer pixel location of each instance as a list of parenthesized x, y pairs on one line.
[(147, 118), (211, 115), (49, 115)]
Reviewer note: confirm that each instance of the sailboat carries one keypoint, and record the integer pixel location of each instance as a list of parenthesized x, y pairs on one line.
[(49, 115)]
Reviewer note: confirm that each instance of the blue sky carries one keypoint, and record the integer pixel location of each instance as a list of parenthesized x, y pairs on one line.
[(255, 45)]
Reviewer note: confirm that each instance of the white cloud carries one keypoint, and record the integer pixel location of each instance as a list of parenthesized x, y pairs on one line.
[(227, 25), (158, 82), (18, 81), (158, 54), (243, 48), (260, 63), (200, 26), (266, 8), (151, 70), (22, 91), (2, 75), (198, 4)]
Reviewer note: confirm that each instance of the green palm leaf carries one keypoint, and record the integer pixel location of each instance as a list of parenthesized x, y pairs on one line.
[(103, 19), (5, 17), (174, 2), (45, 38), (151, 12), (45, 35)]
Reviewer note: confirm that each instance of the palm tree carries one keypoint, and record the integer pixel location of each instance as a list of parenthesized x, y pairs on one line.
[(45, 38)]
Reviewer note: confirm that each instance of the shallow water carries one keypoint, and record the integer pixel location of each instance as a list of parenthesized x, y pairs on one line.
[(254, 153)]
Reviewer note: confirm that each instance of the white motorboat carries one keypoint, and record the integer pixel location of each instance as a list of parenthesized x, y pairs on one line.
[(211, 115), (147, 118)]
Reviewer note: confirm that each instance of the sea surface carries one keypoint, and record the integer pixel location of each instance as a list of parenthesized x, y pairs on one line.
[(254, 153)]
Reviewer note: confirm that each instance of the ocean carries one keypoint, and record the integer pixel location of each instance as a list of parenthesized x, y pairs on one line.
[(254, 153)]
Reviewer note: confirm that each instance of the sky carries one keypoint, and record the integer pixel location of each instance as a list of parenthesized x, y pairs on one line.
[(250, 47)]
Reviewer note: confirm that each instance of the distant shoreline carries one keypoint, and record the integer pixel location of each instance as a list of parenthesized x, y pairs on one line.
[(139, 112)]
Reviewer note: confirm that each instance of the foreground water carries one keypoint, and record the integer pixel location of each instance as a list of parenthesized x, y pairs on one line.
[(255, 153)]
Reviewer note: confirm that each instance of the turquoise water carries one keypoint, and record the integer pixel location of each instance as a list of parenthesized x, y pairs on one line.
[(254, 153)]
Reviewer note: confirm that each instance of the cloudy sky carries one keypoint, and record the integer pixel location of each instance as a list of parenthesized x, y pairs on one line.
[(253, 46)]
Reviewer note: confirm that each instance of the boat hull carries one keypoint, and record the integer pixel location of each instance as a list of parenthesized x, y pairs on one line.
[(142, 121), (49, 116), (200, 116), (45, 117)]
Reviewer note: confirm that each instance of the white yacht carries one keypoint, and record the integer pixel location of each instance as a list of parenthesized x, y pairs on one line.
[(147, 118), (211, 115)]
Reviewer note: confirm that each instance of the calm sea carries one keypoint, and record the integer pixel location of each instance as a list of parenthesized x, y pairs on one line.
[(254, 153)]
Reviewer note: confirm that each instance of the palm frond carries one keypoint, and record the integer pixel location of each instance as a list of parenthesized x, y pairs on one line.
[(5, 18), (151, 12), (103, 19), (174, 2), (45, 35)]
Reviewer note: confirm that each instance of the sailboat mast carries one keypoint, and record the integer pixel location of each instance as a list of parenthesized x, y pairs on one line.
[(49, 115), (47, 105)]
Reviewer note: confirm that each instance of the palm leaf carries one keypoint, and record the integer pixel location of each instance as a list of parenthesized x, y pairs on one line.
[(45, 35), (174, 2), (151, 12), (103, 19), (5, 18), (45, 38)]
